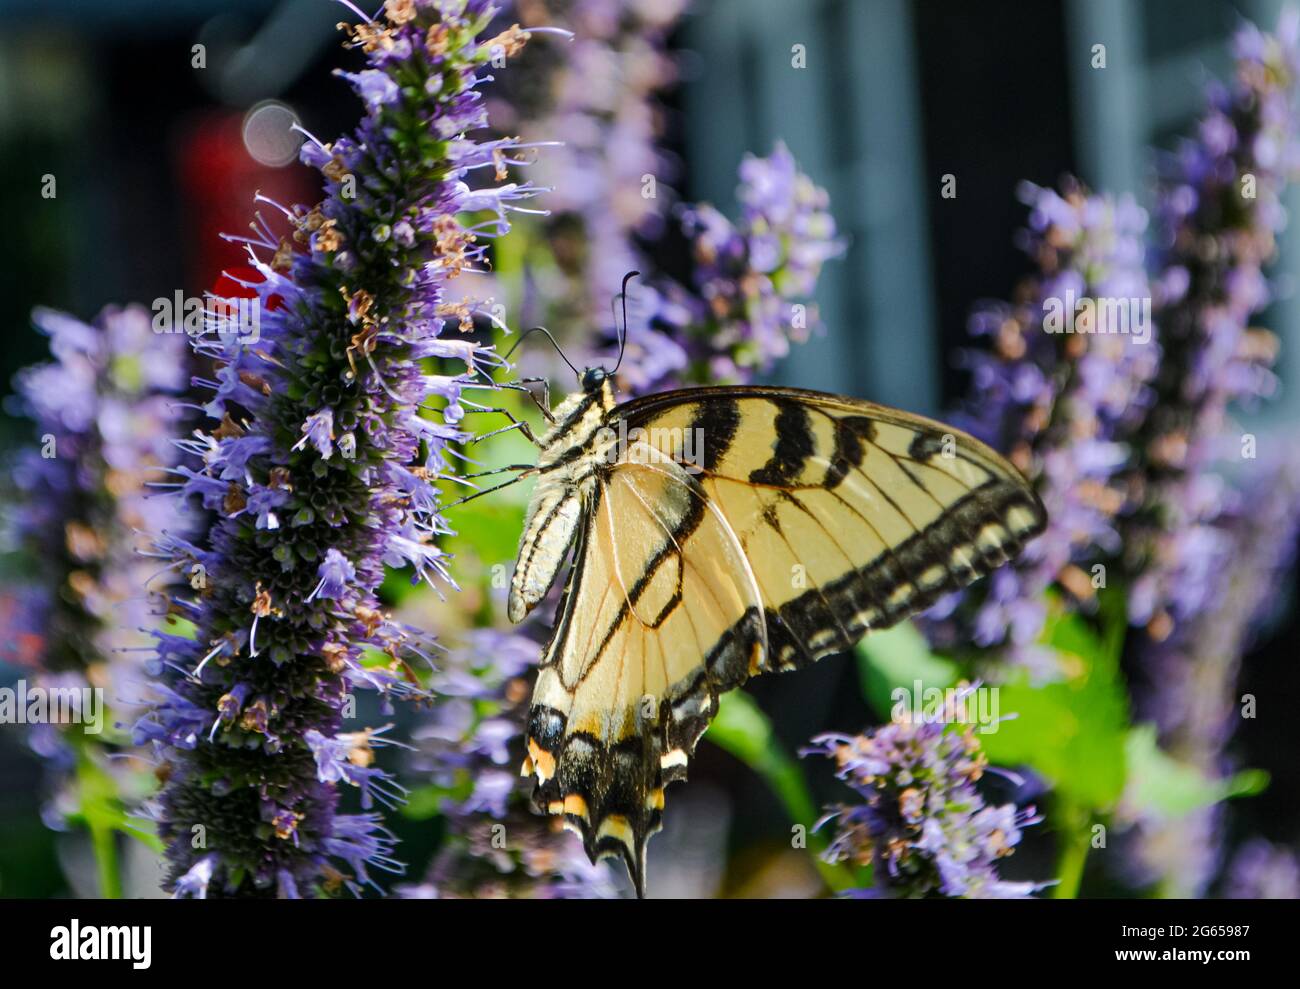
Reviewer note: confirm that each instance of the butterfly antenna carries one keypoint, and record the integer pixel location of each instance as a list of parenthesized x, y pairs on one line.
[(547, 333), (622, 336)]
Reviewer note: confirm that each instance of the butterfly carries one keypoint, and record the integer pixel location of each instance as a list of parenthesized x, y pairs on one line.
[(717, 533)]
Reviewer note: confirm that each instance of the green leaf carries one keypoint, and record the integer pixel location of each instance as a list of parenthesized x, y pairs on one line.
[(1161, 784), (1247, 783), (102, 812), (897, 658), (1073, 732), (397, 586)]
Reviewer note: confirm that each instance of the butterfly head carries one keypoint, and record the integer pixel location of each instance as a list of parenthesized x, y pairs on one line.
[(594, 379)]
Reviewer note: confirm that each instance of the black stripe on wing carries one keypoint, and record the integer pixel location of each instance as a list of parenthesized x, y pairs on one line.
[(793, 447), (893, 586), (715, 423)]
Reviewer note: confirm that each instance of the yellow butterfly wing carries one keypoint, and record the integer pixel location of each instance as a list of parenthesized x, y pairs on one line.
[(661, 614), (853, 515), (741, 530)]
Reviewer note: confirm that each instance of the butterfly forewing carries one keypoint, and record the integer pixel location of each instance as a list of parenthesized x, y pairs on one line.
[(853, 516)]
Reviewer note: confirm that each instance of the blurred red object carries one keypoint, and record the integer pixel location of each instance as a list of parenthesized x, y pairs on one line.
[(219, 180), (20, 647)]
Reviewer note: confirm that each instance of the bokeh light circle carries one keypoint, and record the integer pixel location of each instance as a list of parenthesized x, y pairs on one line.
[(269, 135)]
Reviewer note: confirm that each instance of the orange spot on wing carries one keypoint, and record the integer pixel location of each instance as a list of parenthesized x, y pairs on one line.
[(575, 805), (543, 761)]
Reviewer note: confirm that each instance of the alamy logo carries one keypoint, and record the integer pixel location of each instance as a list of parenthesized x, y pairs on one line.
[(77, 943), (960, 705), (1103, 315), (639, 445), (240, 318), (24, 705)]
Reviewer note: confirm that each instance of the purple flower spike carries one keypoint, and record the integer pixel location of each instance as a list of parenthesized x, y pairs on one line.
[(922, 826), (1218, 214), (609, 177), (320, 472), (1210, 540)]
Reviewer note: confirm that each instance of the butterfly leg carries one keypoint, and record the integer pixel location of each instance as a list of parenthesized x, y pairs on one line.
[(518, 424), (480, 494), (496, 470), (544, 405)]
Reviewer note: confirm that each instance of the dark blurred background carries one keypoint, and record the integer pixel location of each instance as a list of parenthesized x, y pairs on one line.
[(150, 167)]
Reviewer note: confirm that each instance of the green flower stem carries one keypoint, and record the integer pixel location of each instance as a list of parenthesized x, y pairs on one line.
[(101, 813), (1074, 835), (104, 841)]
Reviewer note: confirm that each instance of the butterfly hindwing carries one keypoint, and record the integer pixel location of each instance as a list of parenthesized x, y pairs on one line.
[(661, 615), (730, 532)]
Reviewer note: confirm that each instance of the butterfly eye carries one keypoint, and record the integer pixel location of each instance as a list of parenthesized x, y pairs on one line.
[(593, 378)]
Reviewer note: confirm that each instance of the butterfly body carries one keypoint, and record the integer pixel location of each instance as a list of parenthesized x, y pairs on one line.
[(719, 533), (567, 474)]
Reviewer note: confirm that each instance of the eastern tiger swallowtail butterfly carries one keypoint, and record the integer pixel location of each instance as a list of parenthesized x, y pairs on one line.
[(719, 533)]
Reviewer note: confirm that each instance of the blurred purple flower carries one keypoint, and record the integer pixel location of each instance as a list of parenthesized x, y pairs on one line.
[(81, 504), (609, 178), (1067, 374), (1189, 679), (519, 857), (1263, 871), (496, 847), (1218, 213), (1211, 541), (752, 283), (1191, 674)]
